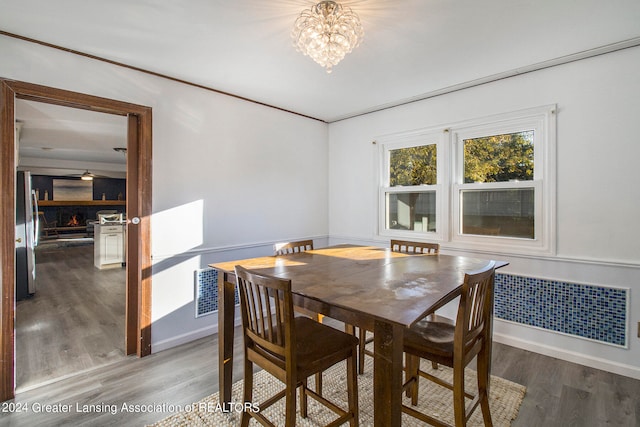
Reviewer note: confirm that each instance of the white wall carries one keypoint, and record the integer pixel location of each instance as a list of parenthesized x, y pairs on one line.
[(598, 210), (230, 177)]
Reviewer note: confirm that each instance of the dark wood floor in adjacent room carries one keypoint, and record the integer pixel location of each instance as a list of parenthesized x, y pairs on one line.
[(75, 320), (558, 393)]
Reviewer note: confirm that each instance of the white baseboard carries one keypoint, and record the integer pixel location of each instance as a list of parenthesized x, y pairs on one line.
[(569, 356), (183, 339), (191, 335)]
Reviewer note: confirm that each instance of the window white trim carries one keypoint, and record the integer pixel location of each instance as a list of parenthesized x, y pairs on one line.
[(448, 140), (542, 121), (407, 140)]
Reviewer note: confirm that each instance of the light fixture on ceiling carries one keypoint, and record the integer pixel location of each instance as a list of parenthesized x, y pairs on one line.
[(327, 32), (86, 176)]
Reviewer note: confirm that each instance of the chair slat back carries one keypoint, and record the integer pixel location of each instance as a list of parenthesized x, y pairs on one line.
[(267, 310), (476, 304), (406, 246), (286, 248)]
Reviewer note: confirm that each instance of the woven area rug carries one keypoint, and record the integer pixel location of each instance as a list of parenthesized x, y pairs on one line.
[(505, 400)]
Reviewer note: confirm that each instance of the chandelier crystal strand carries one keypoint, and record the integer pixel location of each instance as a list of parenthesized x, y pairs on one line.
[(327, 32)]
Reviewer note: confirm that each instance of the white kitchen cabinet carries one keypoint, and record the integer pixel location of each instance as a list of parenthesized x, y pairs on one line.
[(108, 247)]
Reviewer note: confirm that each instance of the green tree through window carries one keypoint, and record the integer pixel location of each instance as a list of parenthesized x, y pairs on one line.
[(499, 158), (413, 166)]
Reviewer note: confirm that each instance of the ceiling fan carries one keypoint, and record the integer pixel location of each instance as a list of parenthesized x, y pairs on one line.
[(86, 175)]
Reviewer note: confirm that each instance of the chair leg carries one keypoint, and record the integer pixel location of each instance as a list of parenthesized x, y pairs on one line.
[(303, 399), (362, 338), (319, 318), (413, 365), (352, 388), (432, 317), (351, 330), (483, 386), (459, 409), (248, 390), (319, 383), (290, 404)]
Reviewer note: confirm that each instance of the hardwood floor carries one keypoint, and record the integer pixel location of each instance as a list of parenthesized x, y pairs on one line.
[(75, 321), (177, 376), (559, 393)]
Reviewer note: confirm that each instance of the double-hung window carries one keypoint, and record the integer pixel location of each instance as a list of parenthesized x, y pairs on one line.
[(411, 192), (485, 184)]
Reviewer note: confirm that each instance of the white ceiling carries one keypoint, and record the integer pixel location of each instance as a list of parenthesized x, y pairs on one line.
[(411, 49), (57, 140)]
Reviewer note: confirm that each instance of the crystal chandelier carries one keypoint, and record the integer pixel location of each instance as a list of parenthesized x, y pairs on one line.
[(327, 32)]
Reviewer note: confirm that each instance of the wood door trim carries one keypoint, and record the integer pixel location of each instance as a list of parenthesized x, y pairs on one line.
[(133, 274), (7, 243), (139, 143)]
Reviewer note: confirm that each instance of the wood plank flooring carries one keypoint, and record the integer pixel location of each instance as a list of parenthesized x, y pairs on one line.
[(559, 393), (74, 322)]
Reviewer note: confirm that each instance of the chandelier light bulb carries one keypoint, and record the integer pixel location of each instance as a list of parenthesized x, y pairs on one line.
[(327, 32)]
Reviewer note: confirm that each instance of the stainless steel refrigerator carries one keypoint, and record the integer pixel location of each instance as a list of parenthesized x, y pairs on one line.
[(26, 236)]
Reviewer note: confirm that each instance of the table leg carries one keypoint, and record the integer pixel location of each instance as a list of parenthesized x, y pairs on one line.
[(226, 309), (387, 374)]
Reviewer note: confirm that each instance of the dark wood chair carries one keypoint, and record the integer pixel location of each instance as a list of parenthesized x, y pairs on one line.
[(287, 248), (455, 346), (403, 246), (290, 348)]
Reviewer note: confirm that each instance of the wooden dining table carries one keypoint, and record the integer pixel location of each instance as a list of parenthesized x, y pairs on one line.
[(365, 286)]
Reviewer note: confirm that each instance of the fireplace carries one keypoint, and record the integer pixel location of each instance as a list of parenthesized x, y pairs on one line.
[(73, 217)]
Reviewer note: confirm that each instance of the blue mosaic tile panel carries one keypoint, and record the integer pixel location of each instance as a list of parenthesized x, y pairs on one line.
[(594, 312), (207, 292)]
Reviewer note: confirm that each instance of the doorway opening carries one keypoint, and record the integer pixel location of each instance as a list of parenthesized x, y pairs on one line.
[(138, 207), (72, 319)]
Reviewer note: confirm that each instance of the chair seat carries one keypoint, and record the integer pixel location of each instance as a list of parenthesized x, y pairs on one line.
[(318, 346), (431, 337)]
